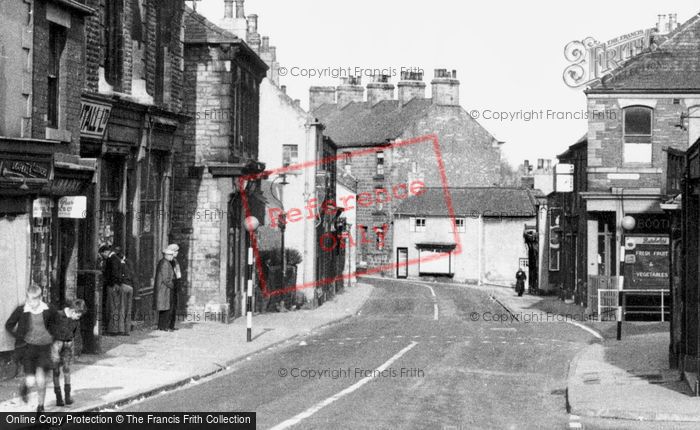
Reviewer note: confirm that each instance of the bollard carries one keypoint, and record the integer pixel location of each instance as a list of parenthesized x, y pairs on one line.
[(249, 300)]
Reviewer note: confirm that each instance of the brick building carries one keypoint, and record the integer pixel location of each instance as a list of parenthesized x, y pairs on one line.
[(132, 123), (222, 95), (470, 154), (42, 175)]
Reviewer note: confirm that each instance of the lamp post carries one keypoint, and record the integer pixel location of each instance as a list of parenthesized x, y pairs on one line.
[(251, 224), (627, 223)]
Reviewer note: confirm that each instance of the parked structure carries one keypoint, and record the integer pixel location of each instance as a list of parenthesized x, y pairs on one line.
[(469, 153), (484, 242), (44, 182)]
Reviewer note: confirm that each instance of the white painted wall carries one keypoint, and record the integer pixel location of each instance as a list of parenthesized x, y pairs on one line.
[(502, 246)]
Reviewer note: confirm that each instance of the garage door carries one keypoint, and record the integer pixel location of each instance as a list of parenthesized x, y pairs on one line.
[(434, 262)]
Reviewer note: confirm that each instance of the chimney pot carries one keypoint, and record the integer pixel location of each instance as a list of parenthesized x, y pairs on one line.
[(265, 44), (228, 8), (284, 89), (252, 23), (239, 9)]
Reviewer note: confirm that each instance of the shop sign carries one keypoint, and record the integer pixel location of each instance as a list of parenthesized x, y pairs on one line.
[(93, 119), (24, 169), (41, 208), (72, 207), (646, 262)]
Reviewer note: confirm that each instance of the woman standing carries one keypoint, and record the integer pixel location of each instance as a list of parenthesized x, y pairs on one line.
[(163, 288)]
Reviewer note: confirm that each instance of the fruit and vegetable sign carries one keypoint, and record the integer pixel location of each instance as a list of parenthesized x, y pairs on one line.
[(646, 262)]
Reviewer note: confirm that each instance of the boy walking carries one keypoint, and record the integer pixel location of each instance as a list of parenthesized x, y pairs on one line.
[(33, 338), (66, 324)]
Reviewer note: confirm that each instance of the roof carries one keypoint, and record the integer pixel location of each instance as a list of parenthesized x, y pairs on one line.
[(673, 66), (361, 124), (198, 29), (583, 141), (472, 202)]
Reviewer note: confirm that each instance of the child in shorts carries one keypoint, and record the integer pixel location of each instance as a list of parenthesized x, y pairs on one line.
[(29, 325), (64, 328)]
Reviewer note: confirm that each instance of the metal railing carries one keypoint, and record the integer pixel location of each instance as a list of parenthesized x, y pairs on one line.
[(608, 302)]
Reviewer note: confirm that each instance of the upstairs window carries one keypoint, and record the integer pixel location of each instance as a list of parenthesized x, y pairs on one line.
[(57, 41), (380, 163), (460, 227), (417, 224), (290, 154), (637, 128)]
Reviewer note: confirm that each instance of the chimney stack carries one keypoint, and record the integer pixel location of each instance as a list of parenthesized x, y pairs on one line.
[(379, 89), (662, 25), (445, 88), (284, 89), (319, 96), (411, 86), (672, 21), (540, 163), (253, 38), (349, 90), (235, 24), (265, 44), (526, 166)]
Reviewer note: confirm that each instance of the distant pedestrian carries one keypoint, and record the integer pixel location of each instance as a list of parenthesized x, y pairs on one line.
[(520, 282), (119, 295), (127, 285), (163, 288), (64, 328), (176, 287), (29, 325)]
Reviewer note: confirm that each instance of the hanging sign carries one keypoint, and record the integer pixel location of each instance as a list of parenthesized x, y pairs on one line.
[(41, 208)]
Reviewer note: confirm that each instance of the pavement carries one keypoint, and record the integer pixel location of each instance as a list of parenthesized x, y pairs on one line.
[(628, 379), (150, 362)]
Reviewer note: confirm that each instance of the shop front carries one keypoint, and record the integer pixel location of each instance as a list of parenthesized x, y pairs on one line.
[(131, 205), (43, 201)]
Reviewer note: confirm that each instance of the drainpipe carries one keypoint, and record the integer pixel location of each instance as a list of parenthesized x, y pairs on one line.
[(480, 248)]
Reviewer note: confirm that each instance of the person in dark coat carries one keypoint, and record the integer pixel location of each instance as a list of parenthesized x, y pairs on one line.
[(30, 325), (520, 282), (176, 287), (119, 295), (163, 288)]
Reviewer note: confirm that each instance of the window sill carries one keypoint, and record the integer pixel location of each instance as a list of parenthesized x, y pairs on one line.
[(59, 134)]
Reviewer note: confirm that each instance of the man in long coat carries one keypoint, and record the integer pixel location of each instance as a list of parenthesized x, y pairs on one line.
[(164, 285)]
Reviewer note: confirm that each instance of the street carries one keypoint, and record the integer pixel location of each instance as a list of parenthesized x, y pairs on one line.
[(459, 373)]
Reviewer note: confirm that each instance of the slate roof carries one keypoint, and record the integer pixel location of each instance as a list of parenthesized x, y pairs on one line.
[(359, 124), (198, 29), (471, 202), (674, 65)]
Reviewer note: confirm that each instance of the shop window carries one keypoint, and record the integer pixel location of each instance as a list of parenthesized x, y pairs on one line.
[(637, 126), (112, 201), (57, 42)]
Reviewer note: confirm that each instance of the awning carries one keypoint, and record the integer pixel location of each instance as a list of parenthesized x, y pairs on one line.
[(441, 246)]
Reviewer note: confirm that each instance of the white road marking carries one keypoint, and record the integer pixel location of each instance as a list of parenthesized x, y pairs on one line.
[(435, 306), (588, 329), (322, 404)]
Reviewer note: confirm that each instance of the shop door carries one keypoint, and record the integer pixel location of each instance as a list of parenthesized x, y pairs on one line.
[(234, 267), (402, 262), (14, 255)]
